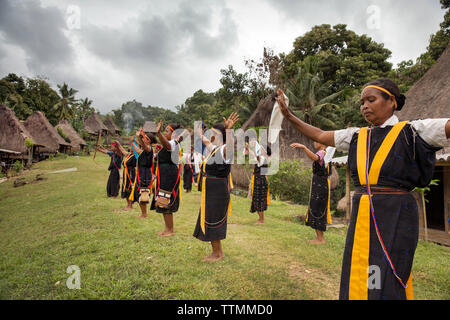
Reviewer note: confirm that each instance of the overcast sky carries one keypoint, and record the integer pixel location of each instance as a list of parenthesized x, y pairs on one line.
[(160, 52)]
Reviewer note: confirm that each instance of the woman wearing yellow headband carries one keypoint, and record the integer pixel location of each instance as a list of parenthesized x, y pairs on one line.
[(387, 160)]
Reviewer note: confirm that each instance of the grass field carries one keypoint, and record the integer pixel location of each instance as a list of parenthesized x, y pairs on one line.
[(48, 225)]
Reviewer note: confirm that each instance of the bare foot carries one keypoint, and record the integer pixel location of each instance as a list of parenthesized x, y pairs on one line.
[(142, 217), (166, 233), (315, 241), (259, 222), (169, 234), (214, 258), (127, 209)]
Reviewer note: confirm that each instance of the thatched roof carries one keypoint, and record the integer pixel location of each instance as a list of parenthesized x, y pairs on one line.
[(41, 129), (112, 127), (149, 127), (13, 133), (75, 140), (93, 124), (430, 96), (261, 117)]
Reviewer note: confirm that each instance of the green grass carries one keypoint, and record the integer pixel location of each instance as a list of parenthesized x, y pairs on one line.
[(67, 219)]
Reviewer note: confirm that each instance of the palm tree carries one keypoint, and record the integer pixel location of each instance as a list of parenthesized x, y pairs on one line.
[(310, 96), (85, 109), (64, 107)]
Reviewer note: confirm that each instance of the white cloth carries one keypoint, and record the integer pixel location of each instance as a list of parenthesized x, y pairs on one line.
[(432, 131), (197, 161), (173, 144), (227, 161), (276, 120), (257, 149), (329, 153)]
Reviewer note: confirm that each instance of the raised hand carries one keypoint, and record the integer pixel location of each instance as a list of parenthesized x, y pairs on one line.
[(282, 103), (158, 128), (231, 121), (297, 145)]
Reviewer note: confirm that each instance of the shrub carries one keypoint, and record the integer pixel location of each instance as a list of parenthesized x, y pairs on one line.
[(28, 142), (18, 166), (291, 182), (63, 135)]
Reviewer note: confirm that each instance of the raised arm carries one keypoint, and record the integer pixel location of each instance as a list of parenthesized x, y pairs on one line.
[(309, 153), (164, 142), (208, 144), (121, 149), (229, 124), (135, 147), (101, 149), (144, 141), (314, 133)]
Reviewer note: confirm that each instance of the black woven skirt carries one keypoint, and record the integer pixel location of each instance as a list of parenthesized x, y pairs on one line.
[(318, 203), (217, 199), (113, 184), (259, 195), (187, 178)]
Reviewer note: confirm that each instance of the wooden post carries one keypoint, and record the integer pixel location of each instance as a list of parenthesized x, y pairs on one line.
[(446, 186), (424, 216), (347, 194)]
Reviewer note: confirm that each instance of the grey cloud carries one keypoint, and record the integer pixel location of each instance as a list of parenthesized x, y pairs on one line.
[(161, 40), (38, 31)]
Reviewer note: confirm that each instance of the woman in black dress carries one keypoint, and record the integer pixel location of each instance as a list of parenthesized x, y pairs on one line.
[(128, 174), (113, 184), (318, 214), (259, 182), (387, 160), (215, 187), (142, 152), (166, 199), (188, 170)]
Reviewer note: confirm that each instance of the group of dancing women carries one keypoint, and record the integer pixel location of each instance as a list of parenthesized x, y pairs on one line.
[(387, 160)]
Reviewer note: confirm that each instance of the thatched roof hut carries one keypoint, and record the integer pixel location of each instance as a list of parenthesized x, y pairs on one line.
[(93, 124), (113, 129), (149, 127), (13, 133), (430, 96), (41, 129), (76, 141)]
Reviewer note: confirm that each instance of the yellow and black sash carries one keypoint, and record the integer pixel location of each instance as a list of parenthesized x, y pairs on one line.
[(358, 285), (126, 173)]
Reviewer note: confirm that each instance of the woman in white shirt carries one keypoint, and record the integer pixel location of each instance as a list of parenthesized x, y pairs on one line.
[(387, 160)]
